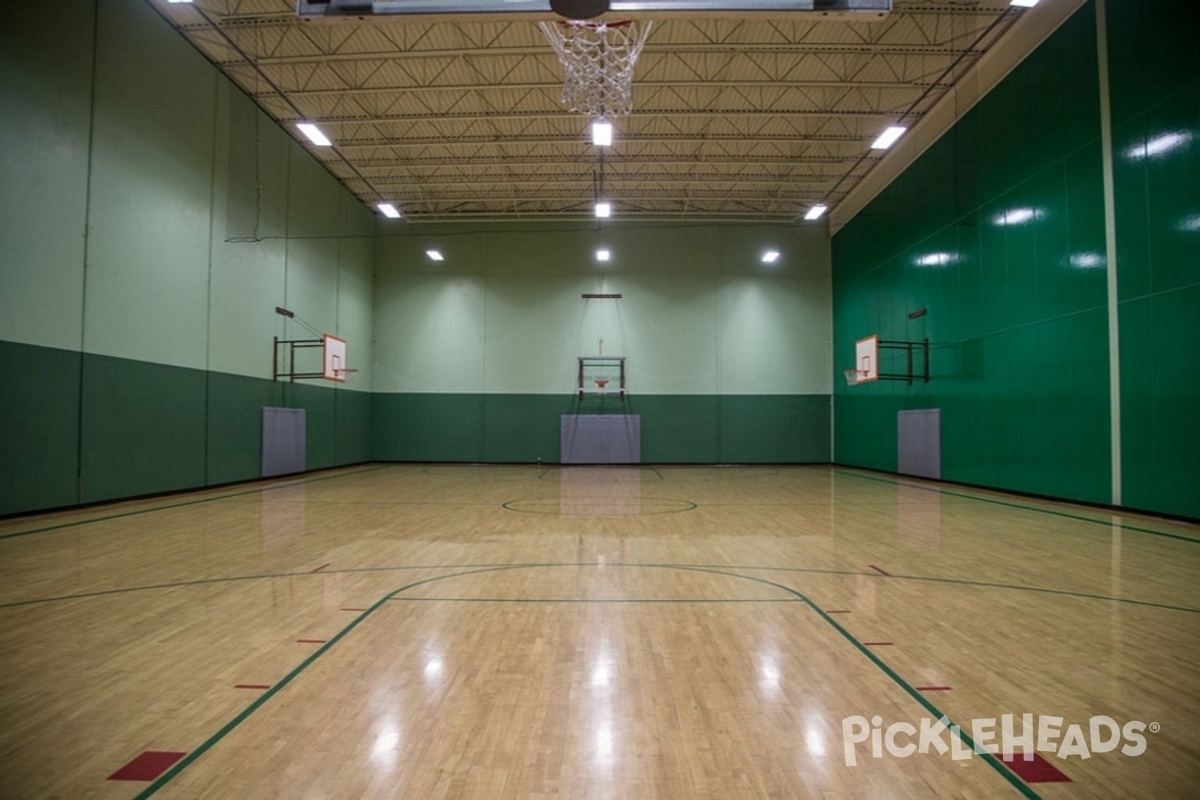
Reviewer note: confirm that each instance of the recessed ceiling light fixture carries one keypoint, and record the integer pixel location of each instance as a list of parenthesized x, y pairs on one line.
[(603, 254), (816, 212), (314, 134), (1024, 3), (602, 133), (889, 137), (770, 257), (388, 210), (435, 255), (603, 209)]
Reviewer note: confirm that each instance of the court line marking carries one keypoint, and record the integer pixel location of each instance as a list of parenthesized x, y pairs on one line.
[(654, 511), (803, 570), (996, 764), (596, 600), (993, 501), (198, 501)]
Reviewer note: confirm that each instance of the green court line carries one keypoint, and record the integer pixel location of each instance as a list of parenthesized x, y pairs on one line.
[(631, 601), (198, 501), (208, 744), (949, 493), (804, 570), (690, 507), (988, 758), (981, 584)]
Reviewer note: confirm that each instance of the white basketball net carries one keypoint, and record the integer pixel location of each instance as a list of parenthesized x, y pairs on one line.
[(598, 61)]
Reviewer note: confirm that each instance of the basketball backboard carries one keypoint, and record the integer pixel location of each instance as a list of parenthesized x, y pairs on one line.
[(334, 358), (866, 358)]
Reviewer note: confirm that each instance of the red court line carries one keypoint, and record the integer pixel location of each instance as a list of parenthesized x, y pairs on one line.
[(147, 766), (312, 641), (252, 686), (318, 569), (877, 569), (837, 612), (353, 609), (875, 644), (932, 688), (1039, 770)]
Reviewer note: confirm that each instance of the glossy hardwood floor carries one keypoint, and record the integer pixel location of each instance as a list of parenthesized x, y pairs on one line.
[(408, 631)]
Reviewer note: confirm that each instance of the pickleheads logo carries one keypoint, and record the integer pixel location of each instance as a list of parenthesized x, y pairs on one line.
[(1101, 734)]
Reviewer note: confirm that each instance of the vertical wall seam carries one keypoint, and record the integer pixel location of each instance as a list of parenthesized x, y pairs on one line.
[(212, 217), (1110, 245), (87, 239)]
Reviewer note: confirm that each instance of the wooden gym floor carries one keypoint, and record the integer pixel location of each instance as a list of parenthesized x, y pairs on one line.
[(408, 631)]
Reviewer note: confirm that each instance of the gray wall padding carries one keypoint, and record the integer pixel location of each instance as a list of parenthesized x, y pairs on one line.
[(601, 439)]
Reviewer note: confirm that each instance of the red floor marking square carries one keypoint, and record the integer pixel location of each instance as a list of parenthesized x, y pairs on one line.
[(146, 767), (1037, 771)]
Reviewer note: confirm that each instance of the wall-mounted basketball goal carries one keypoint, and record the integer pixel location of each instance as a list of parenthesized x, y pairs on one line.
[(601, 375), (909, 362), (290, 362)]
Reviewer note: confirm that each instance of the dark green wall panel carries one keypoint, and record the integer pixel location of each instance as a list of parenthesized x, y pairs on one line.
[(1017, 318), (143, 428), (778, 429), (679, 429), (39, 427), (1156, 158), (676, 429), (427, 427), (523, 428), (1019, 321), (352, 445), (235, 425), (149, 428)]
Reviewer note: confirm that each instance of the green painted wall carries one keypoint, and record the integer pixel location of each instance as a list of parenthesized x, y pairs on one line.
[(152, 219), (727, 358), (1156, 143), (1018, 320)]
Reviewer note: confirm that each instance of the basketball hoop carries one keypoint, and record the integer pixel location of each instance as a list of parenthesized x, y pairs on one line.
[(601, 385), (598, 60), (854, 375)]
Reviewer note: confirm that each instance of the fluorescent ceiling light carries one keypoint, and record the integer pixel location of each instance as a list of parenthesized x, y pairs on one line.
[(435, 255), (179, 1), (314, 134), (817, 211), (602, 133), (603, 209), (889, 137), (770, 257), (1024, 3), (1190, 224), (1016, 216), (388, 210), (603, 255)]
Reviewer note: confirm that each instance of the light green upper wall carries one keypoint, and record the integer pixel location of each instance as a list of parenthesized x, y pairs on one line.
[(699, 313), (201, 215), (45, 102)]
